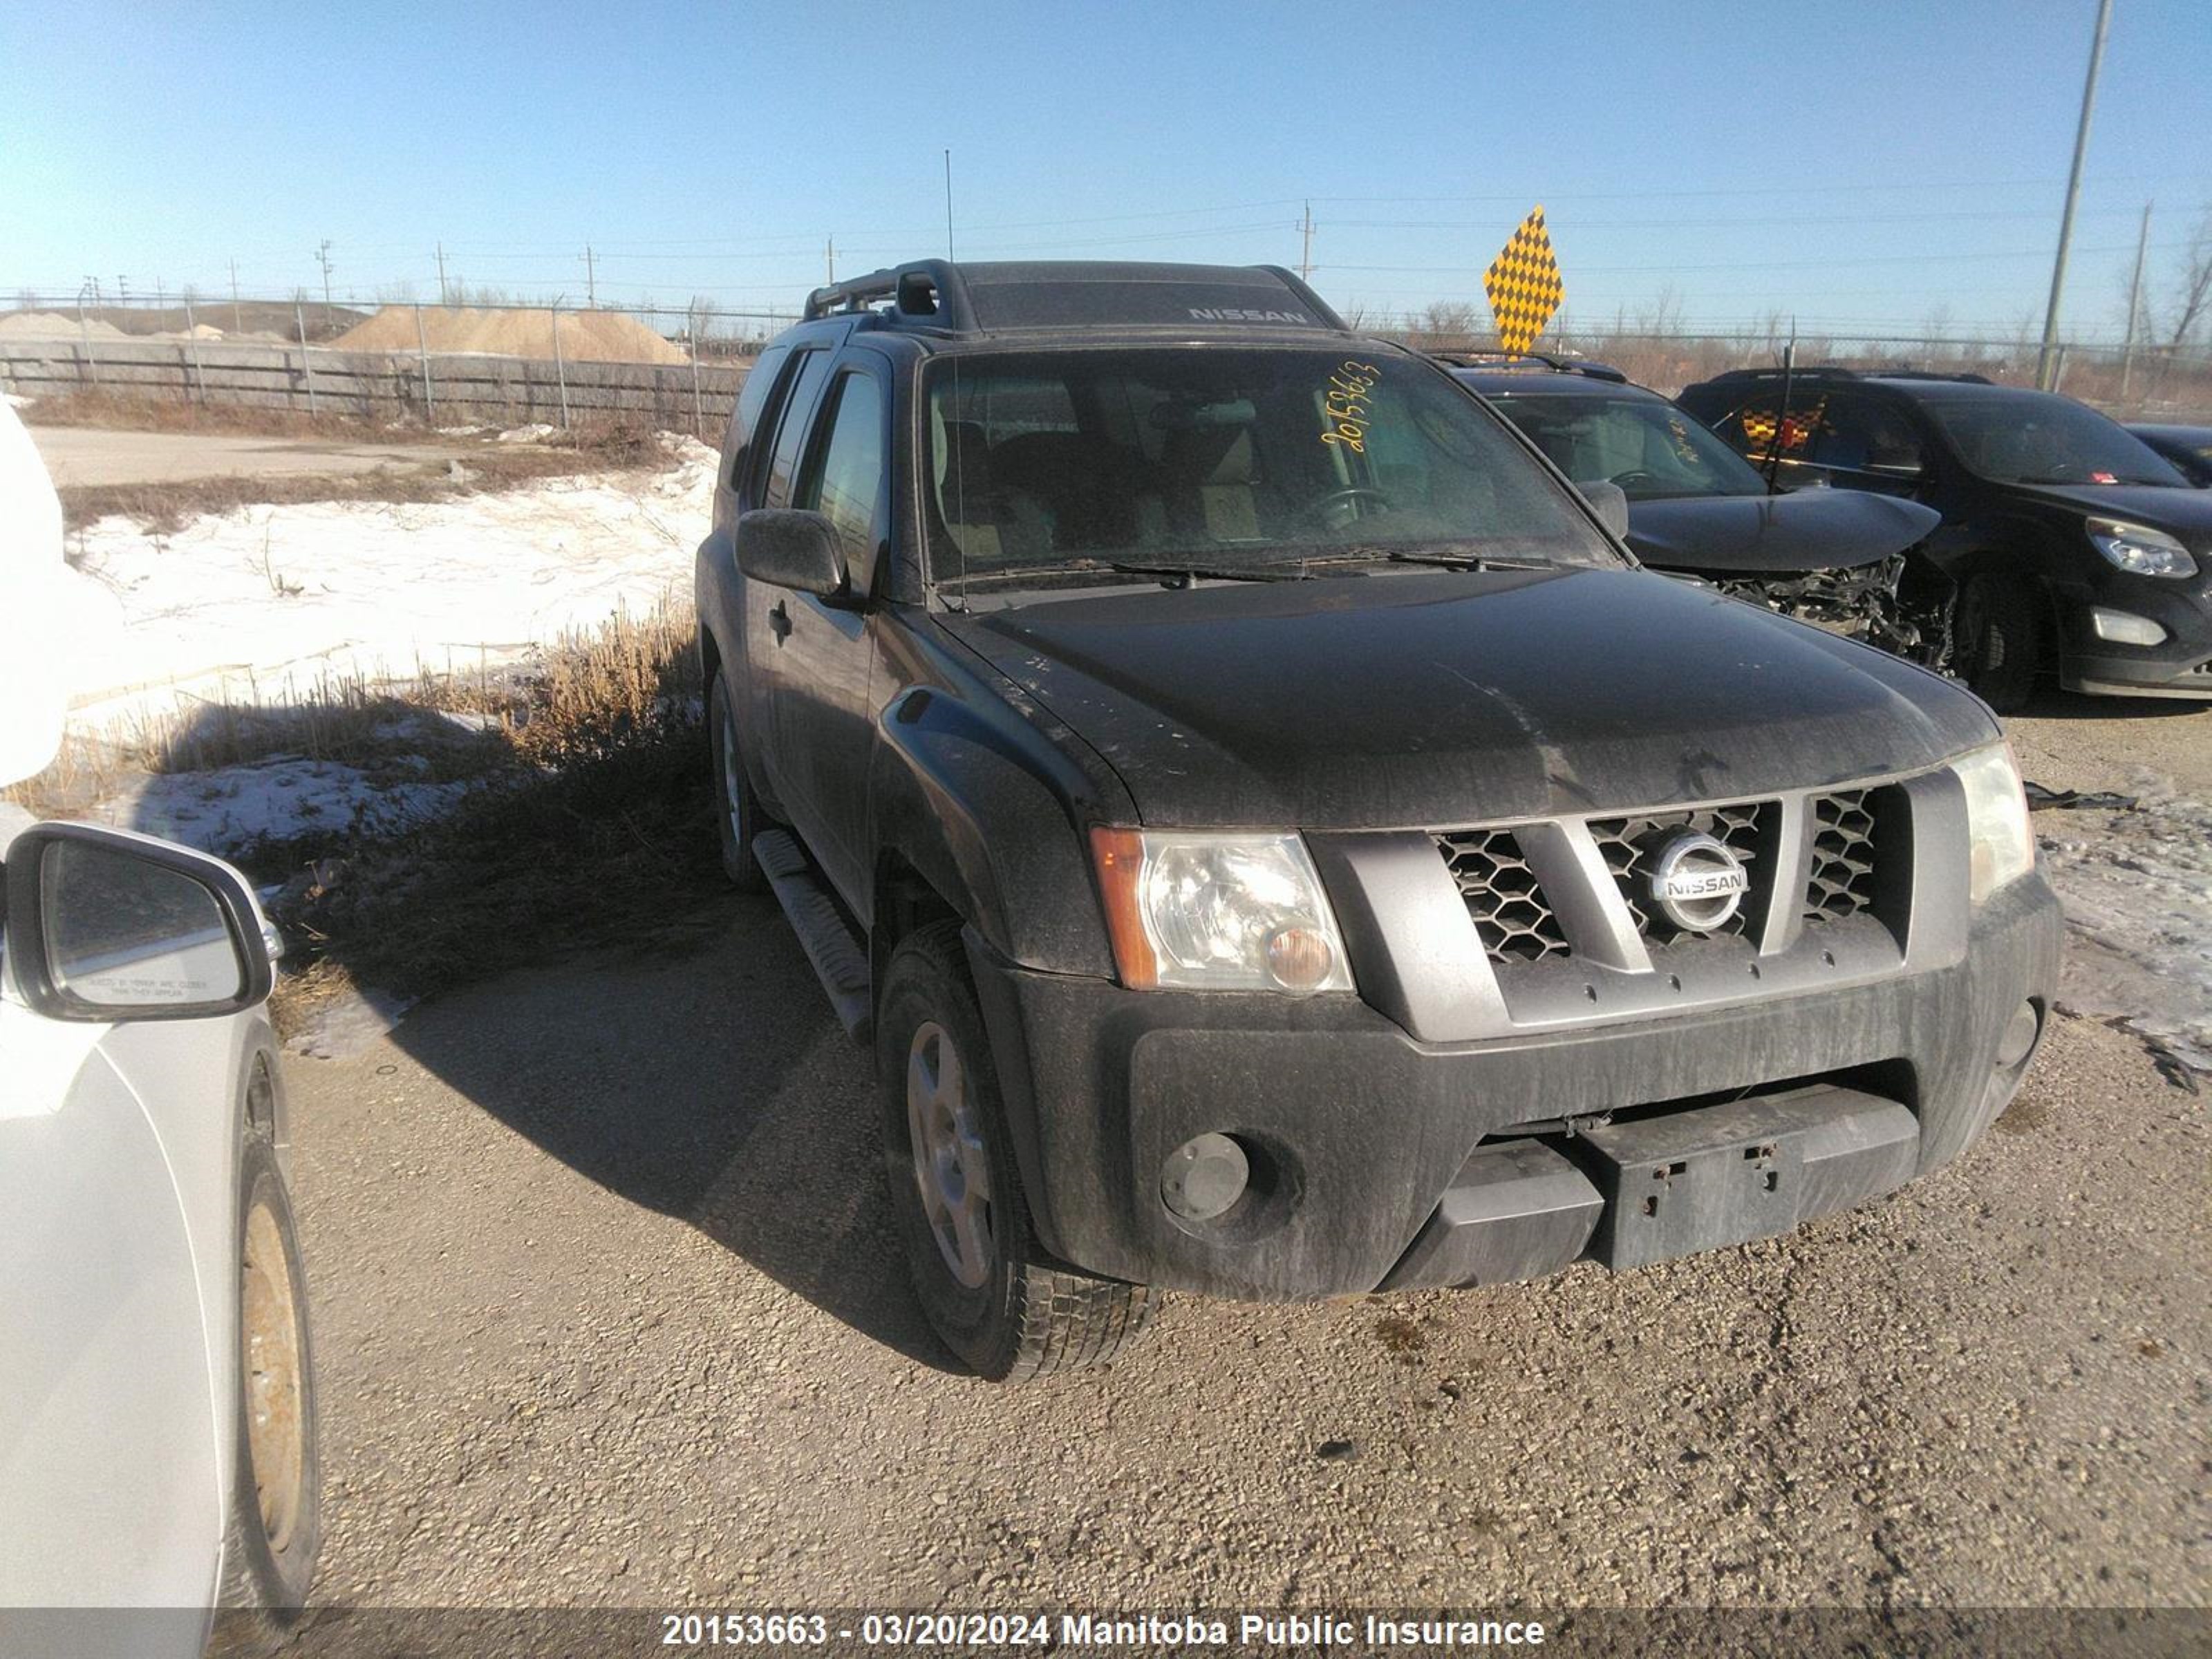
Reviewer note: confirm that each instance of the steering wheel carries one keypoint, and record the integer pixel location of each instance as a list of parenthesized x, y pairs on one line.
[(1340, 506), (1635, 475)]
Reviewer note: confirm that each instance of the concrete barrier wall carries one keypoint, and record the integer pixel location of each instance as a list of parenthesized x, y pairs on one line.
[(444, 389)]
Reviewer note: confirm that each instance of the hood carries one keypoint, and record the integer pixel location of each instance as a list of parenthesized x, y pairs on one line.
[(2175, 508), (1438, 698), (1811, 529)]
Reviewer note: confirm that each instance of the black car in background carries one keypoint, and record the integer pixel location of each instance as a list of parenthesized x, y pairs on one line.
[(2188, 447), (2078, 550), (1841, 560)]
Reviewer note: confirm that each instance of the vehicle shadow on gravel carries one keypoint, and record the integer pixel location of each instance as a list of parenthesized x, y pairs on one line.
[(2049, 703), (712, 1084)]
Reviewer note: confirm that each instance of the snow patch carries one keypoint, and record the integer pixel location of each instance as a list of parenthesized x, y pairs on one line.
[(259, 604), (230, 810), (2136, 888), (347, 1023)]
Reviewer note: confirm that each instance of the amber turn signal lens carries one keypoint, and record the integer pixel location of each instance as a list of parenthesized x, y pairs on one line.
[(1120, 857)]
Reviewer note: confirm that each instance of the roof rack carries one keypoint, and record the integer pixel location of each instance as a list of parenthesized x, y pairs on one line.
[(1512, 359), (1838, 372), (938, 296), (1926, 375), (929, 292)]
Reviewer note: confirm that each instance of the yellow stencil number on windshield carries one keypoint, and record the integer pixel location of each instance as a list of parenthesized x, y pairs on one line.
[(1345, 408)]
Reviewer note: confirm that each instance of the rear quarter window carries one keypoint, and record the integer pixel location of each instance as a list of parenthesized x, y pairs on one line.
[(744, 419)]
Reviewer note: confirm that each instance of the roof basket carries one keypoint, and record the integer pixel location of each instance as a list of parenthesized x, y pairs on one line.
[(1595, 370), (1837, 372), (927, 292), (939, 297)]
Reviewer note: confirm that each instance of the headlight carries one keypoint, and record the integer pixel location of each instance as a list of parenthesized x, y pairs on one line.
[(2139, 549), (1208, 911), (2002, 844)]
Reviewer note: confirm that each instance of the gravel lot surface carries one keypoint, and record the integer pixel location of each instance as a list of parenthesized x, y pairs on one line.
[(88, 455), (609, 1312)]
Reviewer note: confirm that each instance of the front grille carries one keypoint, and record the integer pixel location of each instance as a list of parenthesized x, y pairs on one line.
[(1859, 863), (1842, 877), (1503, 898), (1631, 847)]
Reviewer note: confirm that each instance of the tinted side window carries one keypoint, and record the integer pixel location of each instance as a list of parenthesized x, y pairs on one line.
[(752, 402), (790, 433), (844, 476), (1864, 435)]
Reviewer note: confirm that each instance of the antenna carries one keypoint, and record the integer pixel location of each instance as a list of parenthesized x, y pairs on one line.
[(1782, 409), (959, 601)]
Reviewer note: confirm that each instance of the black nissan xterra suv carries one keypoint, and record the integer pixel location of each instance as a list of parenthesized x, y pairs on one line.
[(1276, 843)]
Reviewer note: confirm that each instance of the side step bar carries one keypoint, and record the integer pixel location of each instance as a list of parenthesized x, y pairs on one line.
[(839, 962)]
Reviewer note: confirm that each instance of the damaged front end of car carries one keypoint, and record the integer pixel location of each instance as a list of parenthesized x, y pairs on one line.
[(1900, 604), (1851, 561)]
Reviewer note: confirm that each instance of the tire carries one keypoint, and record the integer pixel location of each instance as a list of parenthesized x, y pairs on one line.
[(738, 816), (991, 1293), (1998, 644), (276, 1513)]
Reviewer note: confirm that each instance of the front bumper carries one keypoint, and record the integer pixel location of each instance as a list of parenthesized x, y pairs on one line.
[(1362, 1130), (2179, 666)]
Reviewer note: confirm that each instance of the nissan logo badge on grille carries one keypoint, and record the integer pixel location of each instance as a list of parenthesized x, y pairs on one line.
[(1698, 882)]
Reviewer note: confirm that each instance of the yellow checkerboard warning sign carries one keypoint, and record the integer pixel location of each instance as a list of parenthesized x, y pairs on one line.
[(1523, 285)]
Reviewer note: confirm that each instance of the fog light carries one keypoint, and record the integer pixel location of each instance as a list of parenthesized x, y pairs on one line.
[(1205, 1177), (2018, 1037), (2125, 627)]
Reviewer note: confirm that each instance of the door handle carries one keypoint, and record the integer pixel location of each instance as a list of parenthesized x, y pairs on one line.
[(778, 622)]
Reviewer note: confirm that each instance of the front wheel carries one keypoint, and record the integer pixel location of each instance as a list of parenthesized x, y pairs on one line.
[(737, 813), (276, 1520), (1997, 641), (991, 1293)]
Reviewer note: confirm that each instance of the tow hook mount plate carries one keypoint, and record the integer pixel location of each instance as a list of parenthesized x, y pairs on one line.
[(1750, 1169)]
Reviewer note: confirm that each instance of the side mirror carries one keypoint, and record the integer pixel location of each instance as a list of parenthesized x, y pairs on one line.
[(105, 925), (787, 548), (1610, 502)]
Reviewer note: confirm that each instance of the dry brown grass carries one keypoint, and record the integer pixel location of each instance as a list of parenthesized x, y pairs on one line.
[(590, 822), (592, 825), (114, 412), (167, 506)]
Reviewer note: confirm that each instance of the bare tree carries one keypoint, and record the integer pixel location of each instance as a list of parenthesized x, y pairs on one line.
[(2189, 300)]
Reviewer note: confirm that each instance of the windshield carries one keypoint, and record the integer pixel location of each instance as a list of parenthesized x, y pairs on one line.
[(2029, 439), (1228, 459), (1649, 447)]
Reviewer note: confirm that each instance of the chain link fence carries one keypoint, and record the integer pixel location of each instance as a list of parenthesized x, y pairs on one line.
[(680, 368)]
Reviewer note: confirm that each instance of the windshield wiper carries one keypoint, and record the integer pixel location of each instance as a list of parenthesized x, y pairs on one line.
[(1193, 573), (1469, 562)]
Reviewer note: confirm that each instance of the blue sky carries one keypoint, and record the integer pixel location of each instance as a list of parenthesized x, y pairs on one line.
[(1859, 165)]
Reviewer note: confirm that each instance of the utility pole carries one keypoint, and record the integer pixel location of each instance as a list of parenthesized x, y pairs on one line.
[(323, 257), (236, 327), (829, 254), (2043, 365), (442, 300), (2134, 304), (590, 281), (1305, 247)]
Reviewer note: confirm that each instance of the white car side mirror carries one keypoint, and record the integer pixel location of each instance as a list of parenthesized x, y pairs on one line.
[(107, 925)]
